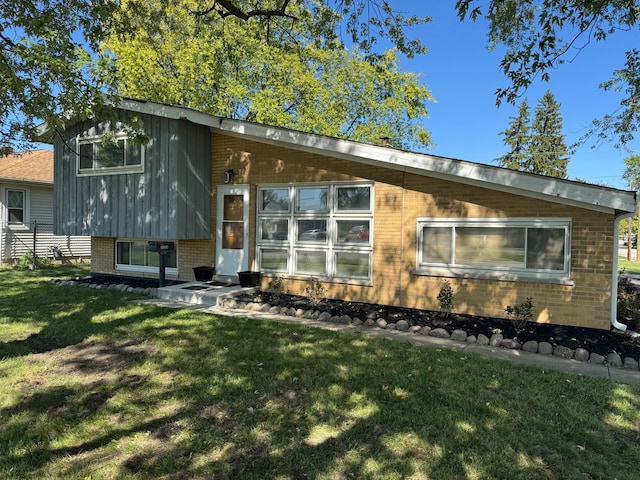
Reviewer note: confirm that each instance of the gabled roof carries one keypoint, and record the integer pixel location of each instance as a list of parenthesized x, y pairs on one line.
[(28, 167), (592, 197)]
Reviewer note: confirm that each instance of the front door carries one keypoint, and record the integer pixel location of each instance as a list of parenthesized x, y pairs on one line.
[(232, 245)]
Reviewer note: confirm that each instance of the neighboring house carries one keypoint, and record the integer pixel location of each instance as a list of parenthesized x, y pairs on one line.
[(372, 223), (26, 210)]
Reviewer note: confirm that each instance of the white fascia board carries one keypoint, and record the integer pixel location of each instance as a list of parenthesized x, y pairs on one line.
[(167, 111), (586, 196)]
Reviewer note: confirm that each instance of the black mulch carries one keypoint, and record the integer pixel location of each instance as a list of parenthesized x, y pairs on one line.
[(598, 341)]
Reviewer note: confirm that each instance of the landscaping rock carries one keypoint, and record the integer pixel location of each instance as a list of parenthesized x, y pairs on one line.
[(630, 363), (381, 323), (391, 326), (510, 344), (581, 354), (596, 358), (275, 310), (562, 352), (324, 316), (483, 339), (496, 339), (415, 329), (471, 339), (531, 346), (425, 330), (334, 319), (402, 325), (614, 360), (459, 335), (356, 321), (439, 333), (545, 348), (370, 322)]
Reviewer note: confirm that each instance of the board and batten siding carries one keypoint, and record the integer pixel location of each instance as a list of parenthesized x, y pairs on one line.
[(170, 199)]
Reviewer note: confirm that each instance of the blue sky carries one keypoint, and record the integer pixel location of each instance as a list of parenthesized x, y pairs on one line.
[(463, 75)]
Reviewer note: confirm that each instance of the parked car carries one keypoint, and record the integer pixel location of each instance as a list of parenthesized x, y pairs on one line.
[(359, 233), (315, 235)]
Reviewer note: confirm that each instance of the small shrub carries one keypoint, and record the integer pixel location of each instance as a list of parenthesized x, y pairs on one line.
[(520, 314), (628, 304), (445, 297), (276, 287), (25, 261), (314, 290)]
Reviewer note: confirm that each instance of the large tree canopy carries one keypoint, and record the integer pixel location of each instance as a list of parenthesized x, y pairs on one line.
[(540, 34), (226, 66), (52, 62)]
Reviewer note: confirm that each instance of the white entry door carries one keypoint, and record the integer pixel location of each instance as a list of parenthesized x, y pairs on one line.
[(232, 229)]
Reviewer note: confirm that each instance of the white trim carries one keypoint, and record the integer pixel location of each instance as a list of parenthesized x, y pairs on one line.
[(126, 267), (118, 170), (25, 225), (329, 246)]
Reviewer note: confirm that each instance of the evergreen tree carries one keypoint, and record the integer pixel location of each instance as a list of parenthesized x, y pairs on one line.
[(537, 148), (516, 137), (548, 152)]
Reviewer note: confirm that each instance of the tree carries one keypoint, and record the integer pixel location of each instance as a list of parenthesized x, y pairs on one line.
[(225, 67), (517, 137), (548, 153), (537, 148), (51, 61), (632, 176), (539, 35)]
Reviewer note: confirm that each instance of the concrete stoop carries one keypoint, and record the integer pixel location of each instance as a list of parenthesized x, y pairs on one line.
[(199, 293)]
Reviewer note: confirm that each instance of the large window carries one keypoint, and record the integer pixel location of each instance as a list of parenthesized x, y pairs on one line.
[(134, 255), (316, 230), (121, 155), (525, 247)]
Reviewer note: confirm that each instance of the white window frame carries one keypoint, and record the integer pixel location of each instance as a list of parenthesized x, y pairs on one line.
[(24, 225), (294, 246), (451, 269), (121, 169), (127, 267)]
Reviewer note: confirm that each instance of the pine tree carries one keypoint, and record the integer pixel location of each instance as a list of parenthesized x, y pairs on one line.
[(517, 138), (548, 151), (538, 148)]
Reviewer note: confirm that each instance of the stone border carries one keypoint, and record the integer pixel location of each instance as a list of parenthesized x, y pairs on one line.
[(149, 292), (613, 359)]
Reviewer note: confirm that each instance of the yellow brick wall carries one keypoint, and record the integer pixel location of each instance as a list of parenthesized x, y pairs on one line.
[(401, 198)]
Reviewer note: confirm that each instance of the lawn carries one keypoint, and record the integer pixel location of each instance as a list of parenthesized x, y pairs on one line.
[(628, 266), (96, 386)]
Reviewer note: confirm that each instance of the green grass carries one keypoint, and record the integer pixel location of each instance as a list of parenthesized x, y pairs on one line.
[(95, 386), (627, 266)]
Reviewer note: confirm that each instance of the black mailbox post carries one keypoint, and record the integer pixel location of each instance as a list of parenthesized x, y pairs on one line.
[(163, 249)]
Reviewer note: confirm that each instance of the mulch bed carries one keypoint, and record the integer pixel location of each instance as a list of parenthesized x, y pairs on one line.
[(598, 341)]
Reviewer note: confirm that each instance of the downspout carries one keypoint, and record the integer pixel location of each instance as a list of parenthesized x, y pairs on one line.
[(614, 285)]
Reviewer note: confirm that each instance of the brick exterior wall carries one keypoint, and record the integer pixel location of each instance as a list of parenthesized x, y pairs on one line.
[(401, 198)]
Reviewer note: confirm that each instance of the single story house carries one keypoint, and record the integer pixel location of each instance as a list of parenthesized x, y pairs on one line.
[(371, 223), (26, 211)]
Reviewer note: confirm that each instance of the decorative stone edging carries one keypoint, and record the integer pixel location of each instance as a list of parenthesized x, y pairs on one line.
[(149, 292), (496, 340)]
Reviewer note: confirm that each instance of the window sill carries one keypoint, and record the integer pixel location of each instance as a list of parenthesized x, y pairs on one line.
[(87, 172), (335, 280), (498, 276)]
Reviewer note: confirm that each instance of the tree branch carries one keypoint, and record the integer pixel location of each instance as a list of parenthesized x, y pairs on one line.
[(227, 8)]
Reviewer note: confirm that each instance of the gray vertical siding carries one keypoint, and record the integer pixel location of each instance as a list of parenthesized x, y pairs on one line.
[(171, 199)]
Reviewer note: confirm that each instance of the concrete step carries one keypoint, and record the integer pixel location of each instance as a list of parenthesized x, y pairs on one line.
[(197, 293)]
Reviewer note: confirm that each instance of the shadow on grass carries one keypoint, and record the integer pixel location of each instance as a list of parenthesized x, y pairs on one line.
[(149, 393)]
